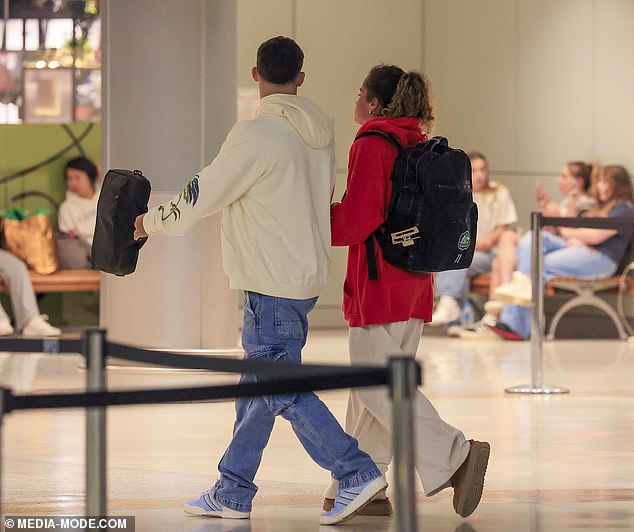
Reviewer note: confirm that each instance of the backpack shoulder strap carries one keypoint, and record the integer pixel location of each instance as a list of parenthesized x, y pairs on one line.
[(370, 253), (370, 256), (378, 133)]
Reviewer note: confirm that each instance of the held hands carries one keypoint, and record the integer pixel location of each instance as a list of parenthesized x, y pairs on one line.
[(569, 235), (139, 232)]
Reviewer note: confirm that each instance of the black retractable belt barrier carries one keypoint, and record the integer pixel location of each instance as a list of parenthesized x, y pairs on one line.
[(593, 223), (41, 345), (402, 375), (376, 376), (260, 368)]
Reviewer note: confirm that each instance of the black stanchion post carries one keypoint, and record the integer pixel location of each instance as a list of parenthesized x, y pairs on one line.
[(403, 380), (537, 315), (94, 352)]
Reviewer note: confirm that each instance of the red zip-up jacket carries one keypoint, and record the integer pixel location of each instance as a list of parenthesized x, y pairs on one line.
[(396, 295)]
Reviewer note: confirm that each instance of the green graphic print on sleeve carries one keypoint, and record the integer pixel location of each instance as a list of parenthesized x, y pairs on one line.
[(192, 191)]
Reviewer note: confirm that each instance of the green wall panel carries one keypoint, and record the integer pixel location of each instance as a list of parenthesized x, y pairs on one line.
[(33, 156)]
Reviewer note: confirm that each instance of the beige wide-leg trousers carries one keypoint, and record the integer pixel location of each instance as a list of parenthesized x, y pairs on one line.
[(440, 449)]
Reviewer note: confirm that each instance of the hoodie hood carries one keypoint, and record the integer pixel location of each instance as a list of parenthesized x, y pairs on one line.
[(313, 126), (406, 130)]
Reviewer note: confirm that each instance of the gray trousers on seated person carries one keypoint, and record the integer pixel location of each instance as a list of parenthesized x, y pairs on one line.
[(16, 278)]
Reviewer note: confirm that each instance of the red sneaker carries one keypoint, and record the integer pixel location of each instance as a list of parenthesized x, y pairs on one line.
[(503, 330)]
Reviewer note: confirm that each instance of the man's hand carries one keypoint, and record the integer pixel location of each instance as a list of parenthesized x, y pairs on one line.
[(139, 232)]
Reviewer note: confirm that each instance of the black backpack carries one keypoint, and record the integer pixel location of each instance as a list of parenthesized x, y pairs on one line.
[(124, 195), (431, 217)]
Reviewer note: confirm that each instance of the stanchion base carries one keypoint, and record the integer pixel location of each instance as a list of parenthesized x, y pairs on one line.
[(527, 388)]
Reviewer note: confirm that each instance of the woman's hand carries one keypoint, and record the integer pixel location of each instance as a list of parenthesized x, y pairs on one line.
[(139, 232), (541, 196), (483, 244)]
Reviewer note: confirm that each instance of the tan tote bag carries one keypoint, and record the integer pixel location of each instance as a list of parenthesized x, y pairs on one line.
[(31, 239)]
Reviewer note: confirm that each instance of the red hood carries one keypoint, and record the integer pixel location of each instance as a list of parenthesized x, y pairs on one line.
[(406, 130)]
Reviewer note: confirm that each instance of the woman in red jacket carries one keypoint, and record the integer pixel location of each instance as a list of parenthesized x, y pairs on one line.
[(386, 315)]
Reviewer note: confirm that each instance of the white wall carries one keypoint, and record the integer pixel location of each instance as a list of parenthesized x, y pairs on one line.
[(531, 83), (341, 40)]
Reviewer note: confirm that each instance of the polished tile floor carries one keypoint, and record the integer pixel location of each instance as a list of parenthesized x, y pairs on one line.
[(561, 462)]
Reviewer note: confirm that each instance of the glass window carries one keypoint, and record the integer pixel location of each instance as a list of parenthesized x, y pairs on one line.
[(13, 29), (45, 74), (59, 31)]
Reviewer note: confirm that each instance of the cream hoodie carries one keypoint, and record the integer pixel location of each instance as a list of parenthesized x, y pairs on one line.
[(79, 214), (273, 180)]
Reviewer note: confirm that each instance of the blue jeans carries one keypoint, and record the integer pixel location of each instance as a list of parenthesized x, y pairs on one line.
[(275, 329), (453, 283), (560, 259)]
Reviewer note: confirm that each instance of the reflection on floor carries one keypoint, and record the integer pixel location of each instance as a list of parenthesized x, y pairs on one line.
[(557, 462)]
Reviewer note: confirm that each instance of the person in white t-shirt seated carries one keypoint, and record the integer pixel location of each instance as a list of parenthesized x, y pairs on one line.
[(495, 238), (77, 214)]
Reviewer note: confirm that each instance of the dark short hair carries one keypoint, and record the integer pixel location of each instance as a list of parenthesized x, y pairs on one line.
[(381, 83), (279, 60), (85, 165)]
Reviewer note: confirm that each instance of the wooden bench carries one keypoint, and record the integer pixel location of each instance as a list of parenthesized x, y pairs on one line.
[(64, 281), (480, 284)]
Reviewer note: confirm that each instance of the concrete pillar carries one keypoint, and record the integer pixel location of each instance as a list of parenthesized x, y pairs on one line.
[(169, 100)]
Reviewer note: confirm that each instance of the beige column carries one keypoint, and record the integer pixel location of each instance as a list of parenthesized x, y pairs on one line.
[(169, 100)]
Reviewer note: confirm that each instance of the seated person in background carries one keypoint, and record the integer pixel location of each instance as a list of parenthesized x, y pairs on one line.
[(16, 278), (581, 252), (77, 214), (496, 212), (574, 184)]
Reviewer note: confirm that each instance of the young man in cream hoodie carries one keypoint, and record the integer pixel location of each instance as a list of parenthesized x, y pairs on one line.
[(273, 181)]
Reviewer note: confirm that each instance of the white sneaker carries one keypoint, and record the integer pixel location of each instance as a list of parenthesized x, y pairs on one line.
[(481, 330), (207, 505), (38, 326), (5, 327), (517, 292), (447, 310)]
